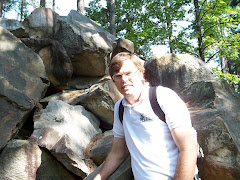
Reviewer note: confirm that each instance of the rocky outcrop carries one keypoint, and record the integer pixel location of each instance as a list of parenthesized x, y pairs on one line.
[(87, 44), (65, 130), (20, 160), (40, 23), (23, 82), (176, 71), (213, 106)]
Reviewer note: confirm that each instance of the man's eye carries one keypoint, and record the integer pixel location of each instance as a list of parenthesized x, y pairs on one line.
[(128, 74)]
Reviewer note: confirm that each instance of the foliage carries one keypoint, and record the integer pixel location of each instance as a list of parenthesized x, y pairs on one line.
[(8, 5), (217, 20), (144, 22), (21, 7), (232, 79)]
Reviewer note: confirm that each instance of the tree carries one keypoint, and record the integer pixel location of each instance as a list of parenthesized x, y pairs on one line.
[(145, 22), (112, 17), (80, 6), (198, 29), (5, 6), (1, 7), (212, 27), (53, 5), (42, 3)]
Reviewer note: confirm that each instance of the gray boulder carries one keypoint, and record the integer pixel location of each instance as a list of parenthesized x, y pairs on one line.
[(214, 112), (65, 131), (40, 23), (20, 160), (99, 147), (100, 100), (23, 82), (50, 168), (176, 71), (57, 63), (87, 44)]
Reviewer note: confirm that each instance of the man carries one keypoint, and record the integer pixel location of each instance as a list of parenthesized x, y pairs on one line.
[(158, 150)]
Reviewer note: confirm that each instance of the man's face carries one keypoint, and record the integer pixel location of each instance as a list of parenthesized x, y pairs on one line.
[(128, 79)]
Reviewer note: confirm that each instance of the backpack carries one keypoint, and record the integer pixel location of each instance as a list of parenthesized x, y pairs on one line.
[(159, 112)]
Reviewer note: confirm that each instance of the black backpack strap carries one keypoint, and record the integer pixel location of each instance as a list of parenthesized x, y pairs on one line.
[(154, 103), (120, 111)]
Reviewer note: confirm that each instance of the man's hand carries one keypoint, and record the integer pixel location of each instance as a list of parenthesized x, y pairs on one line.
[(114, 159)]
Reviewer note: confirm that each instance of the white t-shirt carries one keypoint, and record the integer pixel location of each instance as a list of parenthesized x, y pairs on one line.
[(153, 151)]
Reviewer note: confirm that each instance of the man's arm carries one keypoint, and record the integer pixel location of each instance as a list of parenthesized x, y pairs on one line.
[(114, 159), (186, 143)]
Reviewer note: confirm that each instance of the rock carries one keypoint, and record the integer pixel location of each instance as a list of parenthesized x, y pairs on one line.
[(176, 71), (87, 44), (123, 45), (68, 96), (50, 168), (57, 63), (100, 101), (40, 23), (213, 106), (14, 26), (20, 160), (124, 172), (65, 131), (86, 82), (101, 148), (23, 82)]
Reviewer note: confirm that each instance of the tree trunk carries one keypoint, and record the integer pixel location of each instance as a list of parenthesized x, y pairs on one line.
[(112, 17), (199, 30), (21, 11), (224, 65), (53, 6), (42, 3), (80, 6), (1, 8), (169, 26)]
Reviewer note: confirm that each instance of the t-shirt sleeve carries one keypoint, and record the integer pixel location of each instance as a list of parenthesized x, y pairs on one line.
[(118, 131), (176, 112)]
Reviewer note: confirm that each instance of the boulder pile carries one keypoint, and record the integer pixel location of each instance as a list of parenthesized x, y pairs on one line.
[(57, 100)]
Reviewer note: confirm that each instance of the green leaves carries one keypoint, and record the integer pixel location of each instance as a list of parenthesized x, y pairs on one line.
[(232, 79)]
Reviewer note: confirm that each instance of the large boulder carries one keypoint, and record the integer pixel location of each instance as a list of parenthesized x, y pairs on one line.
[(65, 131), (87, 44), (100, 100), (20, 160), (40, 23), (14, 26), (99, 147), (57, 63), (23, 82), (214, 111), (176, 71), (50, 168)]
